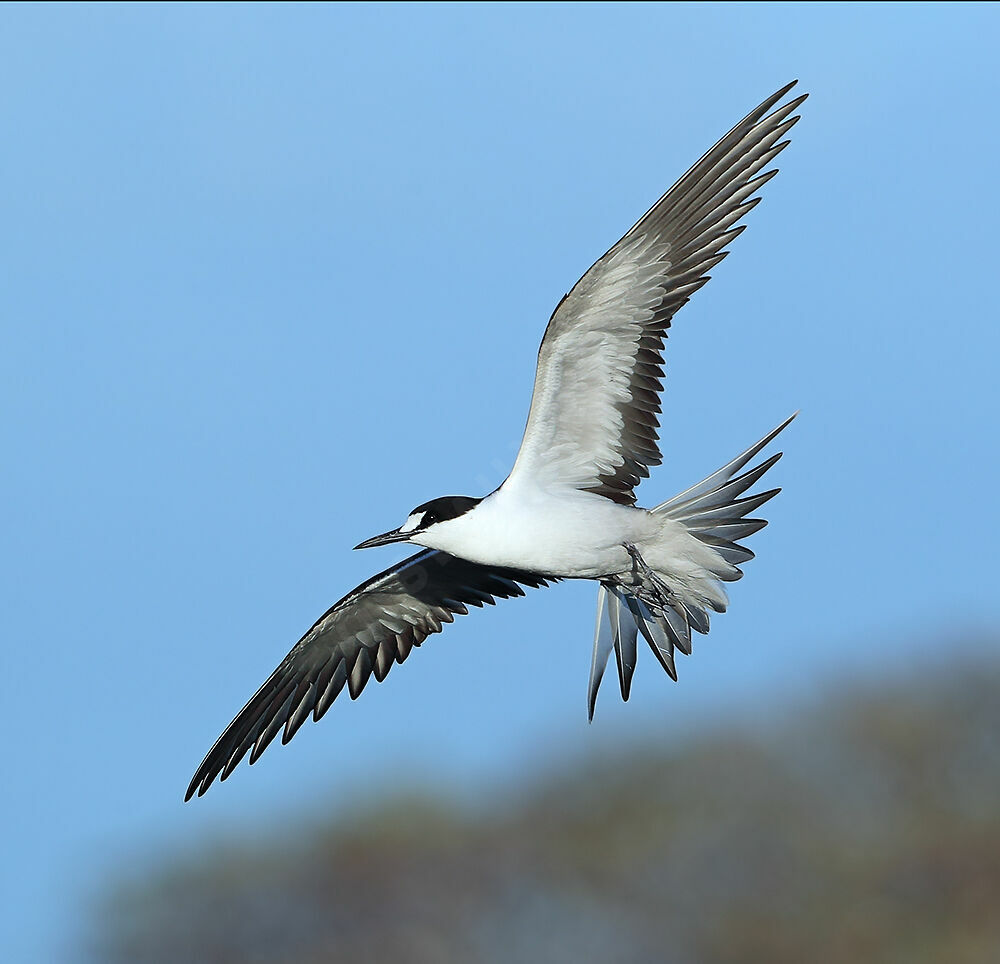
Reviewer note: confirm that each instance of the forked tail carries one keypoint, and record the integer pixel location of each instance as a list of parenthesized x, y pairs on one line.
[(713, 512)]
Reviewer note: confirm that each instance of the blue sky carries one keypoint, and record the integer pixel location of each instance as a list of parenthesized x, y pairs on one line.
[(274, 275)]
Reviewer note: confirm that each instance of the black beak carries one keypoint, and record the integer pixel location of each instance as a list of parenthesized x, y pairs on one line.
[(383, 540)]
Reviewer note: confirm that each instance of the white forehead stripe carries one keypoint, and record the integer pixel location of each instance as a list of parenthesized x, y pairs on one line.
[(412, 522)]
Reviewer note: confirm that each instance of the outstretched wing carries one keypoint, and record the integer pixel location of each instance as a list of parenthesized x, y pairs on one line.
[(593, 420), (361, 636)]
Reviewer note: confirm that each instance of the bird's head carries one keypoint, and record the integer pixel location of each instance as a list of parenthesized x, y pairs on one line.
[(424, 522)]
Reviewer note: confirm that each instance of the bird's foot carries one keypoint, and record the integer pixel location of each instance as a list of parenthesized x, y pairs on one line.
[(652, 589)]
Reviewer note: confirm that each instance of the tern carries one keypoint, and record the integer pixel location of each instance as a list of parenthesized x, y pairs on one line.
[(568, 508)]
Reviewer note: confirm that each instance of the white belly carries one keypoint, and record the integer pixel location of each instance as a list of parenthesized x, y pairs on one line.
[(569, 533)]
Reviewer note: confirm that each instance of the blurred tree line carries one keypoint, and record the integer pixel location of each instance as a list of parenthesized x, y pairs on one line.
[(865, 829)]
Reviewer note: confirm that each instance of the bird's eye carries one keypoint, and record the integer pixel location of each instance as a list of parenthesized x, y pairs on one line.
[(430, 517)]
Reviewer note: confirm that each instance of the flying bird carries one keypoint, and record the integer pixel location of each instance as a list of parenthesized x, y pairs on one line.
[(568, 508)]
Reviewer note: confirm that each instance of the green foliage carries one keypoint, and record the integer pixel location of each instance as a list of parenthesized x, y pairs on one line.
[(865, 830)]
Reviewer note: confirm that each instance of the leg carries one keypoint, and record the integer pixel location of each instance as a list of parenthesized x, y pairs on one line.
[(653, 585)]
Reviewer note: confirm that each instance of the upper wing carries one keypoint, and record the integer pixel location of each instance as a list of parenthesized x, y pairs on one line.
[(376, 624), (593, 420)]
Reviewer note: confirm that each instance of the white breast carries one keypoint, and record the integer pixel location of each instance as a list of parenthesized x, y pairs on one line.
[(570, 533)]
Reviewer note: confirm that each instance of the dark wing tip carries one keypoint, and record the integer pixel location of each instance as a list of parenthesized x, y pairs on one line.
[(197, 785), (784, 90), (797, 101)]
